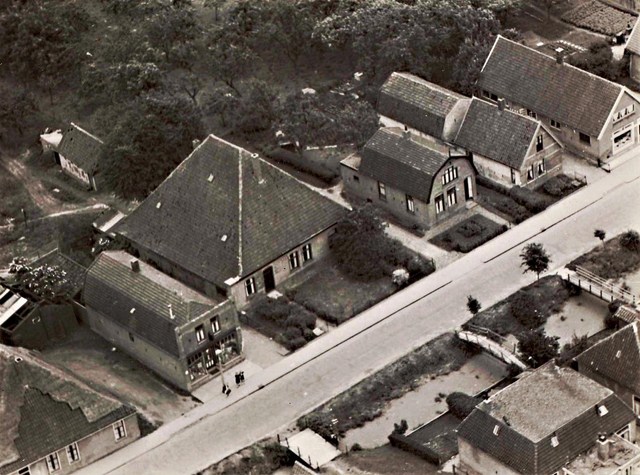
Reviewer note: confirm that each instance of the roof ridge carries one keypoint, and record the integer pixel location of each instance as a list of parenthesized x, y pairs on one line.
[(240, 191), (425, 82), (88, 133), (550, 58), (510, 111)]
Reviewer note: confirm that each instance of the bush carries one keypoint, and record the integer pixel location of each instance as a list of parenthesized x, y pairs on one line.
[(538, 347), (401, 428), (558, 186), (470, 228), (573, 289), (492, 185), (630, 240), (276, 310), (524, 308), (319, 423), (356, 447), (301, 319), (461, 404), (532, 200)]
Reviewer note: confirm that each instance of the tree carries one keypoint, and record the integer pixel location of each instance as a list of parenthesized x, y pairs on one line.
[(599, 60), (630, 240), (537, 347), (148, 138), (174, 31), (17, 108), (461, 404), (40, 43), (120, 82), (535, 259), (600, 234), (473, 305)]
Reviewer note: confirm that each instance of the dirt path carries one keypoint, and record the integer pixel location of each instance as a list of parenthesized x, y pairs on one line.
[(41, 197), (84, 209)]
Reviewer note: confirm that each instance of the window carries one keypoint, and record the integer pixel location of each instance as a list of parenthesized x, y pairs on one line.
[(119, 430), (531, 173), (200, 333), (215, 324), (539, 143), (532, 114), (307, 252), (294, 260), (411, 206), (541, 168), (554, 441), (602, 410), (24, 471), (452, 197), (450, 174), (585, 138), (73, 455), (496, 429), (621, 114), (382, 191), (513, 176), (555, 124), (356, 178), (439, 204), (53, 462), (250, 286), (636, 405), (493, 97)]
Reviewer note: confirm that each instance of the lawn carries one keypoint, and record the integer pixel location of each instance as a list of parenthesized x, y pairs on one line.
[(335, 297), (366, 400), (469, 234), (609, 261), (543, 298)]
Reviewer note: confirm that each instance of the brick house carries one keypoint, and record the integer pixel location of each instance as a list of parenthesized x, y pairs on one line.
[(551, 421), (399, 172), (180, 334), (615, 363), (507, 147), (430, 111), (51, 422), (590, 115), (78, 155), (231, 225)]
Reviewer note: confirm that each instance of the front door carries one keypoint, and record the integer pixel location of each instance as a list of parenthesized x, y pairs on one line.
[(468, 188), (269, 279)]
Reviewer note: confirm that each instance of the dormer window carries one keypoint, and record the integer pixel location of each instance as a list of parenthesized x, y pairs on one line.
[(496, 429), (602, 410), (554, 441)]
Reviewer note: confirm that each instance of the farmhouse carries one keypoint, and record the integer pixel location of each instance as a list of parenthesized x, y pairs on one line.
[(633, 48), (229, 224), (50, 422), (78, 155), (183, 336), (507, 147), (595, 117), (400, 172), (551, 421)]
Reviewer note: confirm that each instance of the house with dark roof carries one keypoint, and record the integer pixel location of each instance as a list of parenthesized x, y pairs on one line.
[(230, 224), (51, 422), (426, 109), (633, 48), (592, 116), (507, 147), (78, 154), (551, 421), (614, 362), (400, 172), (183, 336)]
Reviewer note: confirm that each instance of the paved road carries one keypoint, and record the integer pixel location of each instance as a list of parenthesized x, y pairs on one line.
[(334, 362)]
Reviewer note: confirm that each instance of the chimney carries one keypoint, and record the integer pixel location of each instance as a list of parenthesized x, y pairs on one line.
[(135, 265), (257, 167), (406, 134), (500, 104), (560, 56), (603, 447)]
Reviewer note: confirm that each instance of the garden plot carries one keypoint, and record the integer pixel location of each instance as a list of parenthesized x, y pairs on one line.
[(599, 17)]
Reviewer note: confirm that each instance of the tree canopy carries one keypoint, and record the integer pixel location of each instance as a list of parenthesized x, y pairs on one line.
[(535, 259)]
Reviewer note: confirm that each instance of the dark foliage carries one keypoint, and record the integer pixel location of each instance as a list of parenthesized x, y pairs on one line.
[(630, 240), (524, 308), (537, 347), (461, 404)]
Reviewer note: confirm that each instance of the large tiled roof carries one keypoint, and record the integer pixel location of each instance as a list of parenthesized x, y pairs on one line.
[(147, 302), (402, 161), (633, 43), (503, 136), (224, 213), (417, 103), (81, 148), (549, 402), (561, 92), (617, 358), (43, 408)]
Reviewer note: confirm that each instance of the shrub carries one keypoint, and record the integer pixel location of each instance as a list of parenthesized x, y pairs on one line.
[(320, 423), (276, 310), (461, 404), (532, 200), (356, 447), (630, 240), (524, 308), (573, 289), (614, 306), (471, 228), (513, 370), (401, 428), (557, 186), (492, 185), (538, 347), (301, 319)]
